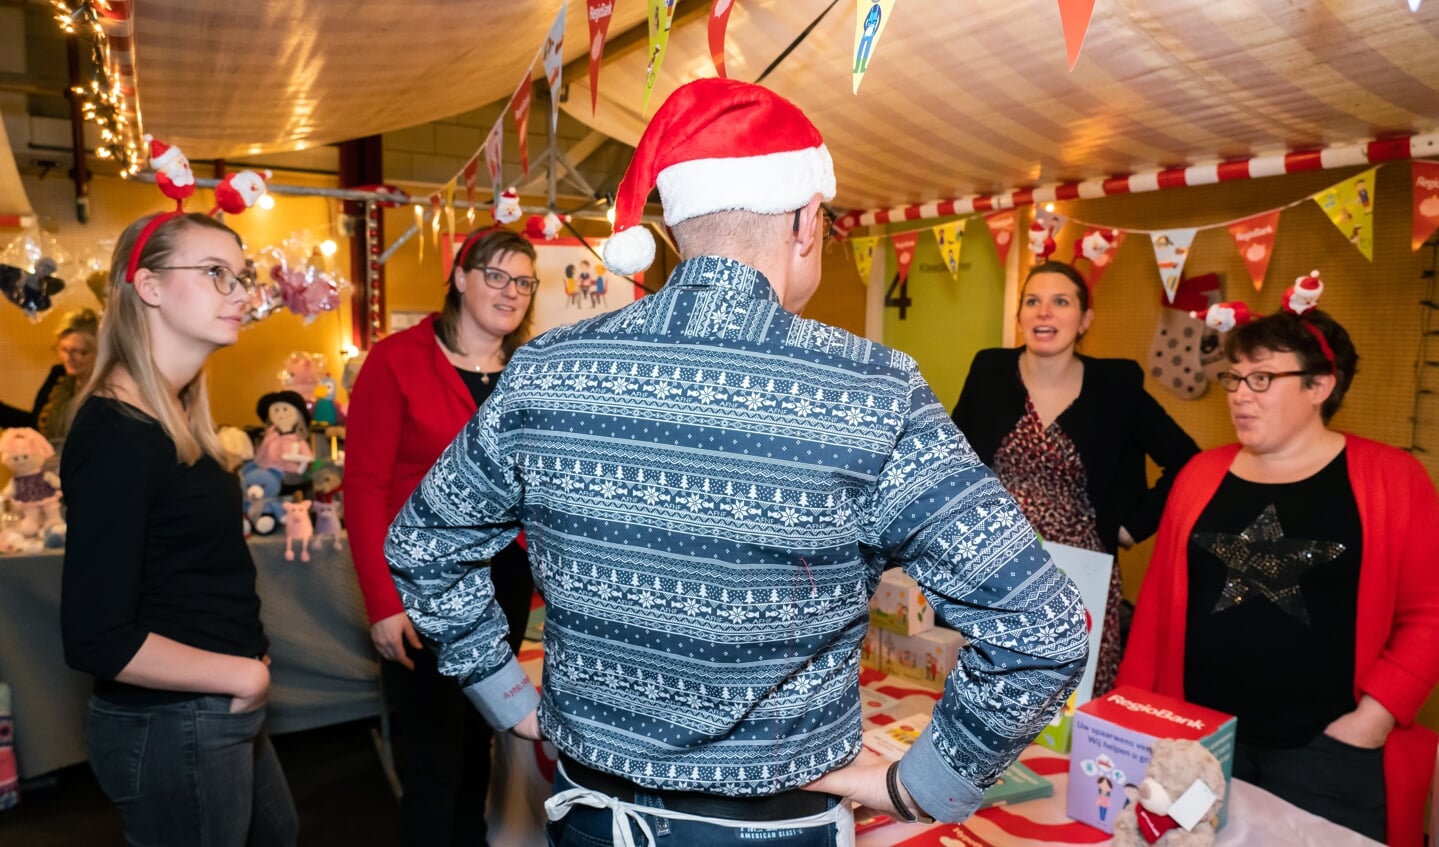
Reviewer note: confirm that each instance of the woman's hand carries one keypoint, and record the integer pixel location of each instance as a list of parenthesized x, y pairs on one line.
[(1368, 726), (1126, 541), (252, 687), (529, 727), (392, 634)]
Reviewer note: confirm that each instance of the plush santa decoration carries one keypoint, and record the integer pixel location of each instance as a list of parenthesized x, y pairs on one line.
[(1041, 240), (1304, 294), (1095, 246), (547, 227), (1224, 316), (239, 191), (717, 145), (172, 170), (507, 208)]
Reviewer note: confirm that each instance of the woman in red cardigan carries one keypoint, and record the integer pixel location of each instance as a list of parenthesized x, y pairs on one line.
[(1293, 585), (416, 391)]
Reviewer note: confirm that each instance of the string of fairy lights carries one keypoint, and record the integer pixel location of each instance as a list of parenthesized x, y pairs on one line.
[(102, 101)]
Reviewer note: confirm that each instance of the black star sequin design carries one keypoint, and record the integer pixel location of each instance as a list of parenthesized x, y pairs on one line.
[(1261, 562)]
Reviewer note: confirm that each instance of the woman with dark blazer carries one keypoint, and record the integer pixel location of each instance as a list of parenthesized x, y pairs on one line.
[(416, 391), (1067, 434)]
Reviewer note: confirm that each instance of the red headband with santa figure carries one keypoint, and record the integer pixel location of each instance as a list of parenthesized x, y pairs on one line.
[(1299, 299), (235, 193)]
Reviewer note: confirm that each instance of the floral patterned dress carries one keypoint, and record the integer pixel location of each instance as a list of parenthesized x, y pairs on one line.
[(1042, 469)]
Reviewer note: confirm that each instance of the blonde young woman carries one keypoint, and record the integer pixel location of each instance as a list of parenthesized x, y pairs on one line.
[(159, 601), (75, 348)]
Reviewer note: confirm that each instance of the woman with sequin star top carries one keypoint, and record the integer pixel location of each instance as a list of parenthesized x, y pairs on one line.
[(1293, 586)]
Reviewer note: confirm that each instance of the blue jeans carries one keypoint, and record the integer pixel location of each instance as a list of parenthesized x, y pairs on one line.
[(587, 827), (191, 773)]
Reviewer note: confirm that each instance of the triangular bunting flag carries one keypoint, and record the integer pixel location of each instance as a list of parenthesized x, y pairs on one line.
[(661, 15), (435, 202), (1255, 239), (520, 105), (1171, 249), (904, 243), (472, 167), (1001, 229), (494, 154), (1099, 246), (450, 208), (870, 19), (554, 61), (719, 22), (599, 12), (1074, 15), (864, 256), (1350, 205), (950, 238), (1426, 201)]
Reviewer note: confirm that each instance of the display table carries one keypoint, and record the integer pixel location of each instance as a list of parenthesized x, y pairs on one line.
[(323, 666), (517, 811)]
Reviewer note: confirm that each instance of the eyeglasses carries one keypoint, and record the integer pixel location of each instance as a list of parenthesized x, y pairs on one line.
[(829, 218), (1258, 381), (224, 279), (498, 280)]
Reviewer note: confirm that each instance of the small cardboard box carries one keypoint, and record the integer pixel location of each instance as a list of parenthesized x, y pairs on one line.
[(899, 606), (1111, 744), (926, 658), (870, 653)]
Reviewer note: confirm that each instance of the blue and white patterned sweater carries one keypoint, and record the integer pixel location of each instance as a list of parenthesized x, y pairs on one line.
[(710, 487)]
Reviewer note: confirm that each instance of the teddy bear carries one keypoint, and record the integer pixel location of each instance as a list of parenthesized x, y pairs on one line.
[(327, 522), (1174, 766), (32, 491), (262, 504)]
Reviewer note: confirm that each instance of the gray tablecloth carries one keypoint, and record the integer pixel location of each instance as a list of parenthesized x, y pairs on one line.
[(324, 669)]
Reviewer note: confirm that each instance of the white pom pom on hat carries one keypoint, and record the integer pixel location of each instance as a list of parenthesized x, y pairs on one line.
[(717, 145)]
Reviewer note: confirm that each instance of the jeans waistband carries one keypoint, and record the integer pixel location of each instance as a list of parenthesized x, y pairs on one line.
[(794, 803)]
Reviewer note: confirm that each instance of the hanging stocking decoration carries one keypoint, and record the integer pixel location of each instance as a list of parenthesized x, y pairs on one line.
[(1184, 349)]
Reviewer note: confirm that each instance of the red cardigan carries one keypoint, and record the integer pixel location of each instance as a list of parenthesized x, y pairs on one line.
[(407, 405), (1396, 653)]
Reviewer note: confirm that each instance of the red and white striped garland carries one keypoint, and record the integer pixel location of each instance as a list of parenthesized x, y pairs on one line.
[(1370, 152)]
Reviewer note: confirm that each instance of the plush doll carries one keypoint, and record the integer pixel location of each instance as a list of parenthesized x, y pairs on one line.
[(327, 522), (298, 528), (507, 209), (328, 481), (239, 191), (1175, 767), (286, 445), (33, 491), (325, 411), (262, 498)]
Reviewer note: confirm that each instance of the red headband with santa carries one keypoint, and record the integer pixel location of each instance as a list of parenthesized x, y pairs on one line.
[(717, 145), (235, 193), (1299, 299)]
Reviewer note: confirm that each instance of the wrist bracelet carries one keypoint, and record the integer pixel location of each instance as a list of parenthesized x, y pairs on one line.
[(891, 781)]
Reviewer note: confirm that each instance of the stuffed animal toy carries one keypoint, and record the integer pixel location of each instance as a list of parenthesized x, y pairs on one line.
[(325, 411), (1176, 766), (286, 445), (327, 522), (237, 444), (507, 209), (33, 491), (298, 528), (172, 170), (1304, 294), (239, 191), (262, 498), (328, 480)]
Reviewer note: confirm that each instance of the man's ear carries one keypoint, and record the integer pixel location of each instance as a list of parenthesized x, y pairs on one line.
[(809, 236), (147, 286)]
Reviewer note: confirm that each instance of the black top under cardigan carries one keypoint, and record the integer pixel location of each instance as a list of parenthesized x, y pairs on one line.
[(1114, 424)]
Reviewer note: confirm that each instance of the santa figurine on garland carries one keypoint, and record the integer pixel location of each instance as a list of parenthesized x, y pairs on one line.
[(172, 170)]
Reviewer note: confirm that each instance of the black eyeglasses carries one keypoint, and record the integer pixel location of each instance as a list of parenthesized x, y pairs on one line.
[(224, 279), (829, 218), (1258, 381), (498, 279)]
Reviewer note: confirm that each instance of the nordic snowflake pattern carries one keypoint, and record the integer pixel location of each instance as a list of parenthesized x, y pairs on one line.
[(710, 487)]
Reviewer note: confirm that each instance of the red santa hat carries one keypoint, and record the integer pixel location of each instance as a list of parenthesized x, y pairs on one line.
[(161, 154), (717, 145)]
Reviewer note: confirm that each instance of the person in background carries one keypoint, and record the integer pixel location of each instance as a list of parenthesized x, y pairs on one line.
[(710, 487), (158, 598), (1068, 434), (1293, 585), (415, 392), (75, 345)]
